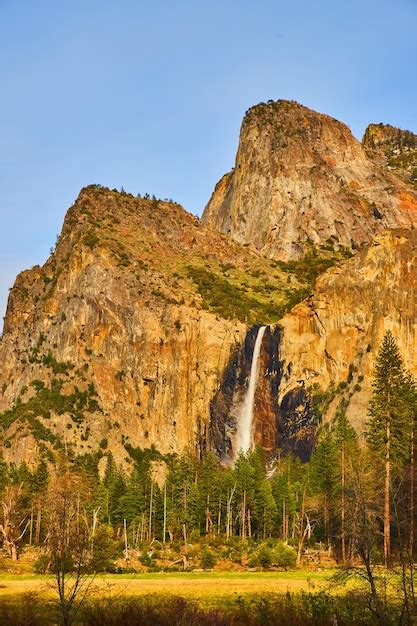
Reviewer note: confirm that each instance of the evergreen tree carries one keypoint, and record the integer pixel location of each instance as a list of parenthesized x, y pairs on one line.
[(387, 428), (324, 475), (346, 441)]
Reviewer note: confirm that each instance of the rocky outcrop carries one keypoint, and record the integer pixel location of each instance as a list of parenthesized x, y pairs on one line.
[(394, 148), (301, 180), (330, 341)]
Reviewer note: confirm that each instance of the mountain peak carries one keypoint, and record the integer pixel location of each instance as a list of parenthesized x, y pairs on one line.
[(301, 177)]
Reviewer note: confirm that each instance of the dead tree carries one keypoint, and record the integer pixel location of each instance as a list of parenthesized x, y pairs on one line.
[(15, 522)]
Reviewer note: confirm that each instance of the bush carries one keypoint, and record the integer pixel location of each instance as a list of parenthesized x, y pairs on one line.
[(208, 559), (261, 557), (105, 550), (41, 564), (147, 559), (91, 240), (284, 555), (273, 553)]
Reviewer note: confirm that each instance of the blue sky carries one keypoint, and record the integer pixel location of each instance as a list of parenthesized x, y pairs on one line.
[(150, 95)]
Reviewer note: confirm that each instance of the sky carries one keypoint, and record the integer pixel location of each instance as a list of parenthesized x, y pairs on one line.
[(149, 96)]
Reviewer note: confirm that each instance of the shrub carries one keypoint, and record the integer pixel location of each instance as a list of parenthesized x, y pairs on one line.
[(41, 564), (147, 559), (208, 559), (105, 550), (284, 555), (261, 557), (91, 240)]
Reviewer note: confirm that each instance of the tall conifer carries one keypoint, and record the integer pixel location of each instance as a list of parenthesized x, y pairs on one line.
[(388, 424)]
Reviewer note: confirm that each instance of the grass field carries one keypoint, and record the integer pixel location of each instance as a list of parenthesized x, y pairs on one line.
[(202, 586)]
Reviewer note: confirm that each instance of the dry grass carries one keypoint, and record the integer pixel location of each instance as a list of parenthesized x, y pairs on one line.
[(203, 586)]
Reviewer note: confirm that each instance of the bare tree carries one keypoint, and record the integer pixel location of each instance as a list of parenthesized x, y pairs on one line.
[(15, 520), (68, 543)]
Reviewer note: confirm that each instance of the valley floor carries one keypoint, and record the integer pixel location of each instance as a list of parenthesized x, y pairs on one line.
[(207, 587)]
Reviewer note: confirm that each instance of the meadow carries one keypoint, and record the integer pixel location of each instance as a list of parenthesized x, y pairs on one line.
[(206, 587)]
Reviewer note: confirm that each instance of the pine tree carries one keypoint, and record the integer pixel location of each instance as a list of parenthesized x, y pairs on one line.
[(346, 441), (410, 402), (324, 473), (387, 427)]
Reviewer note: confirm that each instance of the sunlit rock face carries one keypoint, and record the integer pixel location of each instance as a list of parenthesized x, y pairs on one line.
[(319, 359), (140, 328), (300, 180), (330, 341), (104, 347), (394, 148)]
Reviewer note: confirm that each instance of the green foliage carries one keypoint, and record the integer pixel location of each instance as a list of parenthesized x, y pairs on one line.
[(261, 557), (147, 559), (388, 405), (284, 555), (56, 366), (91, 240), (47, 401), (106, 549), (231, 302), (208, 559), (313, 264)]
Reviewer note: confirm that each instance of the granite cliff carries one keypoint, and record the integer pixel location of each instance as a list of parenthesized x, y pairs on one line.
[(300, 180), (140, 328), (121, 338), (329, 341)]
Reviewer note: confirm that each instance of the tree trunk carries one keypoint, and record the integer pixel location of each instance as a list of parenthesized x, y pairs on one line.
[(387, 499), (164, 532), (31, 526), (38, 525), (411, 507), (342, 512), (284, 535), (374, 593), (125, 537), (150, 512), (302, 531), (244, 516), (229, 513)]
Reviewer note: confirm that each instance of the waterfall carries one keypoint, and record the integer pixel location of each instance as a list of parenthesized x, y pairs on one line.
[(244, 426)]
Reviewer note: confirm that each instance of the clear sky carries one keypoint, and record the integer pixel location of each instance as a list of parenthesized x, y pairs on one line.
[(150, 95)]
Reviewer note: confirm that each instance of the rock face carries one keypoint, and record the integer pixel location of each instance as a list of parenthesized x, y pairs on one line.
[(301, 180), (121, 339), (140, 328), (394, 148), (329, 342), (319, 358), (102, 348)]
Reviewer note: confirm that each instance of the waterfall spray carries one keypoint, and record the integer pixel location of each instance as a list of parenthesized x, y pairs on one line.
[(245, 421)]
